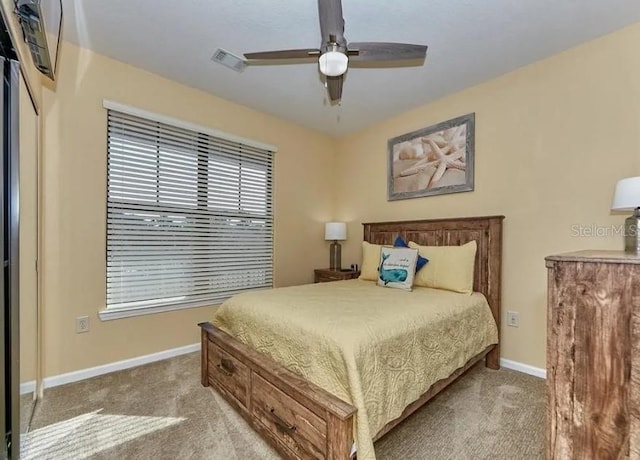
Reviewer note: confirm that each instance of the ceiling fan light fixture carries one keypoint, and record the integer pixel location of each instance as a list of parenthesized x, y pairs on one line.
[(333, 63)]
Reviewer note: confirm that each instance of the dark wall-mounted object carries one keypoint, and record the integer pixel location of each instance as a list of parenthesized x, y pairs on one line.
[(41, 22)]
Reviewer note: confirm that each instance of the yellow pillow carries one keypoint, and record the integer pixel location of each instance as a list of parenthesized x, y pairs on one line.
[(449, 267), (370, 261)]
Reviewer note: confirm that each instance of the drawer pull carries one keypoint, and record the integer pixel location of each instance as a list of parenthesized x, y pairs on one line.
[(226, 367), (283, 426)]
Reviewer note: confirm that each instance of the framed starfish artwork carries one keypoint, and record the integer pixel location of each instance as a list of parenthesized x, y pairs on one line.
[(432, 161)]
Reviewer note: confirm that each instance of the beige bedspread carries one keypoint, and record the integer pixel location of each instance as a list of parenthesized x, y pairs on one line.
[(376, 348)]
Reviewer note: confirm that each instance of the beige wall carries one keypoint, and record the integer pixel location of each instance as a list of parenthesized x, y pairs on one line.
[(552, 139), (74, 205)]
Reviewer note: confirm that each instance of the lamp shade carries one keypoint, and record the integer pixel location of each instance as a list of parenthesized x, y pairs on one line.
[(335, 231), (333, 63), (627, 194)]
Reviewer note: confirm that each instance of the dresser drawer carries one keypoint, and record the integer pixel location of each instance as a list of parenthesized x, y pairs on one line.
[(292, 424), (324, 275), (328, 276), (230, 373)]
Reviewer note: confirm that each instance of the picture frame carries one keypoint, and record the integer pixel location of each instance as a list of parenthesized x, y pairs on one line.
[(436, 160)]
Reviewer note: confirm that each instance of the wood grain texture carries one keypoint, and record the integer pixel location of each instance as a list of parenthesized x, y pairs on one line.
[(298, 426), (301, 430), (324, 275), (633, 296), (296, 402), (591, 411), (560, 365), (614, 257), (300, 389), (204, 358), (339, 436), (229, 372)]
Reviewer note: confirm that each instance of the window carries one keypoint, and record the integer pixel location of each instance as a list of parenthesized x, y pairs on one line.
[(189, 216)]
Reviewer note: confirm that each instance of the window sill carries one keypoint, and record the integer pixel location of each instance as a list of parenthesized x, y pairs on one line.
[(109, 314)]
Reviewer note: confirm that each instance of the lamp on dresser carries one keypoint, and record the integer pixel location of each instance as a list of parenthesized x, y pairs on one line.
[(627, 198), (335, 231)]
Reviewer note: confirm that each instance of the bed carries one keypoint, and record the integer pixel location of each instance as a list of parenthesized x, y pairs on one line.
[(299, 417)]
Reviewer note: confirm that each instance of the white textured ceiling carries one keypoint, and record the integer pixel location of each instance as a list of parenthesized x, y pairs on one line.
[(469, 42)]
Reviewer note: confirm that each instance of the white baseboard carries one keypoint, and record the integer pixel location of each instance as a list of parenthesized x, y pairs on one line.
[(525, 368), (27, 387), (83, 374)]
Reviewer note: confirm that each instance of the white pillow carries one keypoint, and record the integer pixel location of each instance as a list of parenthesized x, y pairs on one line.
[(397, 267)]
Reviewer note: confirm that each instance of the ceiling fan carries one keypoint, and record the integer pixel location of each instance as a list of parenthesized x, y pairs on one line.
[(334, 55)]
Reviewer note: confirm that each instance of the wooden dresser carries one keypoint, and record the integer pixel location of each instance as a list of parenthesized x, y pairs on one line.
[(593, 356)]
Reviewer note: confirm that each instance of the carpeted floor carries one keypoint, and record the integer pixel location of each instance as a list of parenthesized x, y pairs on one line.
[(27, 404), (160, 411)]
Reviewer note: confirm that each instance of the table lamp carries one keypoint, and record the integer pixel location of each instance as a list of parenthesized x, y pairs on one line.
[(335, 231), (626, 198)]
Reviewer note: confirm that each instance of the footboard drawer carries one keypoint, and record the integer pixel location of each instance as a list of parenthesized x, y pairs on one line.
[(302, 431), (229, 372), (301, 420)]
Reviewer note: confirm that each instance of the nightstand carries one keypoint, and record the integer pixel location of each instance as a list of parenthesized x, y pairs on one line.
[(323, 275)]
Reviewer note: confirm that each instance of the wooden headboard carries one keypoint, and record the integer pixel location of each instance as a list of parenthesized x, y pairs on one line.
[(486, 231)]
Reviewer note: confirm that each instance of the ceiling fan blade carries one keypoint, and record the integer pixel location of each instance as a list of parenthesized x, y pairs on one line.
[(284, 54), (331, 20), (380, 51), (334, 87)]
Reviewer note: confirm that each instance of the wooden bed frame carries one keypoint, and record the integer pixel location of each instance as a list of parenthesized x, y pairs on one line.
[(300, 419)]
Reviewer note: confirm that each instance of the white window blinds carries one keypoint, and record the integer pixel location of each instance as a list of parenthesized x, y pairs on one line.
[(190, 217)]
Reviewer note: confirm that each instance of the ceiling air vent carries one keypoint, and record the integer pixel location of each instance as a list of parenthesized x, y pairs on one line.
[(229, 60)]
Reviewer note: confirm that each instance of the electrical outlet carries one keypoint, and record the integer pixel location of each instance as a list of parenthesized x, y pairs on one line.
[(82, 324), (513, 318)]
